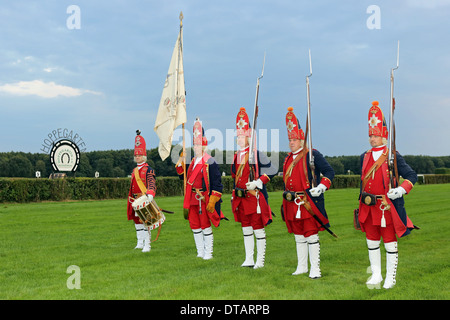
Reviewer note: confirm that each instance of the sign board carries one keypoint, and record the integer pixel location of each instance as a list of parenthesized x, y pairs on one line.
[(65, 156)]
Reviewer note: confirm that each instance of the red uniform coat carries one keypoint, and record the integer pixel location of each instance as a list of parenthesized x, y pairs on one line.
[(147, 176), (249, 202), (298, 182), (379, 185), (205, 175)]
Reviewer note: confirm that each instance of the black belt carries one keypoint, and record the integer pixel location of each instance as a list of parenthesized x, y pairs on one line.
[(241, 193), (292, 195), (370, 199)]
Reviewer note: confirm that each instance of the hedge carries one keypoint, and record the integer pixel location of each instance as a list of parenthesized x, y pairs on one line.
[(34, 190)]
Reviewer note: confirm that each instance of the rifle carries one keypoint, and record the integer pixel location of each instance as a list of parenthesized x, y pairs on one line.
[(308, 126), (252, 154), (392, 158)]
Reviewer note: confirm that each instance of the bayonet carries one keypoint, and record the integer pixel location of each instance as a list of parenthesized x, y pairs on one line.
[(308, 125), (252, 150), (391, 137)]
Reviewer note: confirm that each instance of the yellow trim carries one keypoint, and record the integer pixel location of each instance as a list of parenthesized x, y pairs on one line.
[(412, 185), (327, 179), (139, 181)]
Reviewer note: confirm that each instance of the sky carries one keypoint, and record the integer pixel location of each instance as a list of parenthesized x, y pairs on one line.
[(99, 72)]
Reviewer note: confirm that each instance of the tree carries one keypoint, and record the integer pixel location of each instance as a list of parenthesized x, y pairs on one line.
[(20, 166), (105, 167), (40, 166)]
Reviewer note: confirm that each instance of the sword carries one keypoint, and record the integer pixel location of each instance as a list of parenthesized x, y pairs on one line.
[(324, 226), (307, 206)]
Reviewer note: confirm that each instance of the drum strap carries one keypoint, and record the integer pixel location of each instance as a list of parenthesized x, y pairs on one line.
[(141, 185), (157, 235)]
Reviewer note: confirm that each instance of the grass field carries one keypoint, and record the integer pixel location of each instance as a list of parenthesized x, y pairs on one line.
[(39, 241)]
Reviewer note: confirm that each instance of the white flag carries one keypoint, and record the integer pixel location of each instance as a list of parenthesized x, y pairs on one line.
[(172, 107)]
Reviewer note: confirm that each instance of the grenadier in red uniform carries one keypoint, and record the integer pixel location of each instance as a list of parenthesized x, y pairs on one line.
[(202, 199), (142, 183), (381, 207), (250, 199), (300, 196)]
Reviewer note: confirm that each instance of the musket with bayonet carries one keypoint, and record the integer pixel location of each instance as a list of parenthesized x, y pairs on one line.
[(252, 155), (308, 126), (308, 139), (392, 158)]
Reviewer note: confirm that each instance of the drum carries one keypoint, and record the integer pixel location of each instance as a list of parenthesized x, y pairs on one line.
[(149, 212)]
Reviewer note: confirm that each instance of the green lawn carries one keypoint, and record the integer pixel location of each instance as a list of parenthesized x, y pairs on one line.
[(39, 241)]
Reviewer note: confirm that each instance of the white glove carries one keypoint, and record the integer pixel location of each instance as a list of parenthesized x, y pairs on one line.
[(317, 191), (254, 184), (396, 193), (149, 197)]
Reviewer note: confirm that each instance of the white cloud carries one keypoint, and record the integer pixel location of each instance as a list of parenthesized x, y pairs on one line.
[(43, 89), (49, 69)]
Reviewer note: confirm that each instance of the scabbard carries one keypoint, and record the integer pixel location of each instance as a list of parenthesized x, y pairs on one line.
[(307, 206)]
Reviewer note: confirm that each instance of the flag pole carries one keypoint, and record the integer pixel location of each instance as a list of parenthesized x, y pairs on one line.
[(183, 127)]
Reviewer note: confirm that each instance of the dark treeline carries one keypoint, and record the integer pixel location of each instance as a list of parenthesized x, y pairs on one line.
[(120, 163)]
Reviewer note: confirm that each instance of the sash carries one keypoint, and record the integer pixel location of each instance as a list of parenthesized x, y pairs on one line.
[(140, 184)]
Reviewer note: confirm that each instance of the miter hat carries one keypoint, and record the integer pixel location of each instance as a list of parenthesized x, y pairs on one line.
[(293, 126), (199, 134), (377, 122), (242, 123), (139, 145)]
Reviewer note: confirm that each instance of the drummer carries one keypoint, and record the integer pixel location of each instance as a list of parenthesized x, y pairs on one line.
[(142, 183)]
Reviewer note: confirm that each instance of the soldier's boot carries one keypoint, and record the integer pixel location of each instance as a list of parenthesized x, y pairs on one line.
[(302, 254), (375, 263)]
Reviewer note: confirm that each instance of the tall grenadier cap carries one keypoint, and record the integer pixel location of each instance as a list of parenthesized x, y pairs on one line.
[(377, 122), (140, 148), (199, 134), (294, 129), (243, 123)]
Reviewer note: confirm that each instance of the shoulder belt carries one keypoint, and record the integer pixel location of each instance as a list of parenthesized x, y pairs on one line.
[(293, 163), (374, 168), (141, 185), (241, 168)]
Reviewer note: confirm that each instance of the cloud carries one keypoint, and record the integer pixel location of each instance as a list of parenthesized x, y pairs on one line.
[(43, 89), (49, 69)]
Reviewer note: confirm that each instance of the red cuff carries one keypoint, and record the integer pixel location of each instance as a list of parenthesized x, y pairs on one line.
[(407, 185), (264, 178), (152, 192), (216, 193), (326, 182)]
